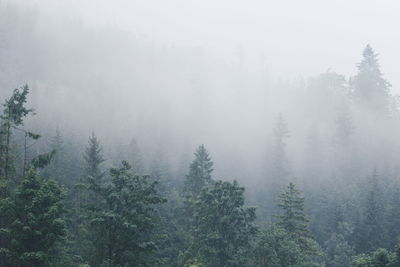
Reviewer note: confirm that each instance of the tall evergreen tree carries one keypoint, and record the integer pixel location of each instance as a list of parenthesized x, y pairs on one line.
[(37, 222), (393, 218), (369, 232), (124, 219), (93, 159), (370, 89), (223, 228), (200, 170), (293, 218), (289, 242), (13, 116)]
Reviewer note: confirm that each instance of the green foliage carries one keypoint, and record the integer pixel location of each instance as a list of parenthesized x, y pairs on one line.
[(42, 160), (338, 252), (13, 116), (369, 232), (293, 219), (122, 222), (379, 258), (276, 247), (200, 170), (288, 242), (93, 158), (370, 89), (37, 222), (223, 228)]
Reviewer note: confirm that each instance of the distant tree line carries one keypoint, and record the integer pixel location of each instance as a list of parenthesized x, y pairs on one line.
[(63, 207)]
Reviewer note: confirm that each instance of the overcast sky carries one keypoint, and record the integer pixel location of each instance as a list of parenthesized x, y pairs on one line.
[(296, 37)]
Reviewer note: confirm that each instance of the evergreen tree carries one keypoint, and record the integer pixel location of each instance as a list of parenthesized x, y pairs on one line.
[(37, 222), (369, 232), (276, 247), (93, 159), (123, 220), (370, 89), (393, 217), (293, 219), (200, 170), (13, 116), (223, 227), (338, 252), (379, 258)]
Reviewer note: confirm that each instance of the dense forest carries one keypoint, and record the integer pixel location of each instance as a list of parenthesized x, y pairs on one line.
[(117, 151)]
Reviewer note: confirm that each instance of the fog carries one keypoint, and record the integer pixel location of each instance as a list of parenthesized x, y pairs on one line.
[(176, 74), (284, 95)]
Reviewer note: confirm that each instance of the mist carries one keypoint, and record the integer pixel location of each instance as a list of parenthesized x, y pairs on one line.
[(274, 90)]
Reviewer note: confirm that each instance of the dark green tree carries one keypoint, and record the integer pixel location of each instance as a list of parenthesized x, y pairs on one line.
[(393, 217), (37, 222), (200, 170), (93, 160), (338, 252), (276, 247), (293, 218), (124, 219), (13, 116), (223, 227), (379, 258)]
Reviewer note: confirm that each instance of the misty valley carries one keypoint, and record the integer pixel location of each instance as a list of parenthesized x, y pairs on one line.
[(118, 150)]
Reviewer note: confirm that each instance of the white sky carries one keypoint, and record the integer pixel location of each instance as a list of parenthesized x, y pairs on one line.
[(297, 37)]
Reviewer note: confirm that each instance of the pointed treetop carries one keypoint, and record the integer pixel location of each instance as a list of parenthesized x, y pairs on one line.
[(199, 172)]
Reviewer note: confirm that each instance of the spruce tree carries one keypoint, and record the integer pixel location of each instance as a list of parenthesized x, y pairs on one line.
[(123, 221), (393, 217), (37, 222), (293, 218), (200, 170), (13, 116), (370, 89), (224, 228), (288, 241), (93, 159)]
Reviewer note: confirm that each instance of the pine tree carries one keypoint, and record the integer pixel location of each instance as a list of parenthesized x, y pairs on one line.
[(369, 231), (37, 222), (123, 220), (293, 219), (223, 228), (276, 248), (393, 218), (370, 89), (200, 170), (288, 242), (338, 252), (93, 159), (13, 116)]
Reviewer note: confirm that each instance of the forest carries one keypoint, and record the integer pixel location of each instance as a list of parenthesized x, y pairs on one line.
[(116, 151)]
